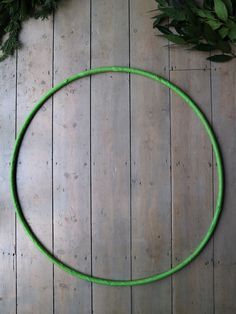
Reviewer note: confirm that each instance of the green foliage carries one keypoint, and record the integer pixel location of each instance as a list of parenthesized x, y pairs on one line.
[(12, 14), (221, 10), (208, 27)]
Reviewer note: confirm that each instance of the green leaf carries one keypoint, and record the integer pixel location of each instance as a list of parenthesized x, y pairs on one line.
[(229, 6), (232, 33), (162, 2), (204, 47), (221, 10), (220, 58), (163, 29), (208, 26), (206, 14), (7, 1), (159, 19), (175, 39), (208, 4), (223, 31), (214, 24), (209, 34), (179, 15), (230, 23), (193, 31)]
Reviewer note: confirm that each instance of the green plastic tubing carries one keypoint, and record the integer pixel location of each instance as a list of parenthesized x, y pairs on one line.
[(216, 150)]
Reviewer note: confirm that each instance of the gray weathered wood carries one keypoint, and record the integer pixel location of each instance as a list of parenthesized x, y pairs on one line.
[(192, 206), (125, 224), (34, 77), (7, 217), (183, 58), (71, 156), (150, 155), (110, 156), (224, 120)]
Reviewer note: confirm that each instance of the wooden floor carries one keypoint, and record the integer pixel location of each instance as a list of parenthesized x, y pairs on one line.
[(116, 176)]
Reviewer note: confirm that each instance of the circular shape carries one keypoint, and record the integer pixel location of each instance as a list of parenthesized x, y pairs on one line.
[(216, 149)]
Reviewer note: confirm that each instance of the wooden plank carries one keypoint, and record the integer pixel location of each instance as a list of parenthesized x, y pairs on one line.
[(34, 272), (71, 157), (224, 116), (110, 156), (192, 195), (7, 217), (150, 155), (183, 58)]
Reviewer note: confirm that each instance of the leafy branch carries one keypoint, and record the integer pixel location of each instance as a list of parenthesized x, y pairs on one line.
[(208, 27), (12, 14)]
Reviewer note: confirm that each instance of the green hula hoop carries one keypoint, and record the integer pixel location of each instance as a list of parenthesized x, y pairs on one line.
[(216, 150)]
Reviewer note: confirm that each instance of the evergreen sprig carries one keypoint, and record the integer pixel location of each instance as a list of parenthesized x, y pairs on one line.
[(207, 27), (12, 14)]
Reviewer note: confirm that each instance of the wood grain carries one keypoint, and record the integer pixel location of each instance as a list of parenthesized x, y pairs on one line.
[(71, 157), (183, 58), (115, 173), (192, 205), (150, 155), (7, 217), (110, 156), (224, 116), (34, 77)]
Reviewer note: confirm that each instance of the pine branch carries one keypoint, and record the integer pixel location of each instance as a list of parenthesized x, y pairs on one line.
[(12, 14)]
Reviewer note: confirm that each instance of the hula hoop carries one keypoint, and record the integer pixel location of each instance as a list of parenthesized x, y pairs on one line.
[(216, 150)]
